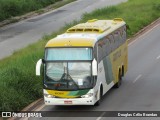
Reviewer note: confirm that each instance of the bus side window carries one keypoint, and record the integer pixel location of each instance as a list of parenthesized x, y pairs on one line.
[(124, 33), (100, 50), (108, 47), (112, 43), (99, 47), (120, 38), (116, 38), (121, 31), (105, 47)]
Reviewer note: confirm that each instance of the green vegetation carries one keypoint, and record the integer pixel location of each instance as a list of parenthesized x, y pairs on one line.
[(136, 13), (11, 8), (18, 84)]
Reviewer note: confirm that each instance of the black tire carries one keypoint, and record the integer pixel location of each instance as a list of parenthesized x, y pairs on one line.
[(100, 97), (122, 71), (118, 84)]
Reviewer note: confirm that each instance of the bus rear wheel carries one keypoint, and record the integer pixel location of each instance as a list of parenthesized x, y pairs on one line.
[(118, 84)]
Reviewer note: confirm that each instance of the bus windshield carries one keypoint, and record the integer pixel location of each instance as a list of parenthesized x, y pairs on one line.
[(68, 75), (68, 54)]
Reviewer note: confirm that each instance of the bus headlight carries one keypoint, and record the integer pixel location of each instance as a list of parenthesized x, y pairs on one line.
[(87, 95), (49, 96)]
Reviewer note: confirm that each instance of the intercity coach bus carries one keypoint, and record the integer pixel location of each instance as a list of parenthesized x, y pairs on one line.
[(82, 64)]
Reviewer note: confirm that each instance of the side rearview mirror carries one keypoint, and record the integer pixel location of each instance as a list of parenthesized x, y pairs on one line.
[(94, 67), (38, 67), (43, 61), (127, 26)]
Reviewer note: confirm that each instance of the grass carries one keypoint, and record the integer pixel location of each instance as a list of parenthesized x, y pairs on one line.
[(12, 8), (18, 84), (137, 14)]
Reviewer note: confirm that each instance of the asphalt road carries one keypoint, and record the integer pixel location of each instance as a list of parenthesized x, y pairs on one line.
[(140, 89), (23, 33)]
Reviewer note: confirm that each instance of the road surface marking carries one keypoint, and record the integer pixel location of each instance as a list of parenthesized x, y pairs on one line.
[(137, 78), (158, 57), (137, 39), (100, 116)]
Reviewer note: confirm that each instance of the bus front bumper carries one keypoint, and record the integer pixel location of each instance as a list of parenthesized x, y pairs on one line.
[(64, 101)]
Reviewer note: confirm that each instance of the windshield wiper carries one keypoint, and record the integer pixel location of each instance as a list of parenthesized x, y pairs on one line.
[(67, 78)]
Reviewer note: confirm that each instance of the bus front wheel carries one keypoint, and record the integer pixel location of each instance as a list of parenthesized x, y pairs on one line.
[(100, 97)]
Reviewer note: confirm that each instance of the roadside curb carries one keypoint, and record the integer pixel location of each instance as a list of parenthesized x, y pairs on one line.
[(34, 105), (31, 107), (18, 18)]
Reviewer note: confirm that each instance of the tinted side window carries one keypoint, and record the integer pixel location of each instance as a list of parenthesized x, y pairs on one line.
[(124, 35), (116, 38), (100, 49), (107, 48), (109, 43), (112, 42)]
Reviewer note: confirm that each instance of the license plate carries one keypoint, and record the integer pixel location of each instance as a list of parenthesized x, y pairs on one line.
[(67, 102)]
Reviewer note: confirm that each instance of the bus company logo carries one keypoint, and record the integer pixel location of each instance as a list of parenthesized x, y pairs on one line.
[(6, 114), (59, 93)]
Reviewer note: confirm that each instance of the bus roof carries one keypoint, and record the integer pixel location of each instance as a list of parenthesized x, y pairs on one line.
[(86, 34)]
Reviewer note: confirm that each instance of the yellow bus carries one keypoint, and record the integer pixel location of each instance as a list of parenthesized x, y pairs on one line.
[(82, 64)]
